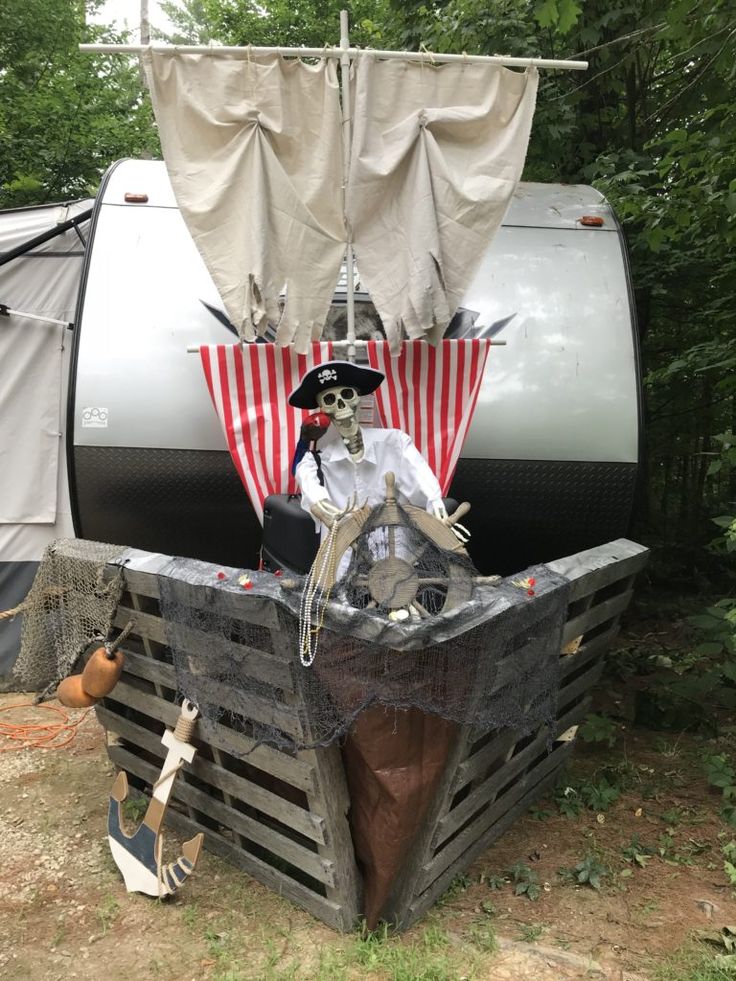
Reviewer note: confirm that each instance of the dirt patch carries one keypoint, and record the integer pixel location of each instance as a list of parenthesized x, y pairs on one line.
[(64, 912)]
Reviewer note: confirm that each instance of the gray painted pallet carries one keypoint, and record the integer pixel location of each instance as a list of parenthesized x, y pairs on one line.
[(490, 780), (282, 817)]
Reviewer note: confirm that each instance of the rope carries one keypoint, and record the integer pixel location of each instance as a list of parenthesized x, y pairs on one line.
[(37, 735), (184, 729), (165, 776), (27, 604)]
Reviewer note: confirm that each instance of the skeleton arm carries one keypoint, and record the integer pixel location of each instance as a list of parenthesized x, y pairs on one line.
[(315, 498), (424, 483)]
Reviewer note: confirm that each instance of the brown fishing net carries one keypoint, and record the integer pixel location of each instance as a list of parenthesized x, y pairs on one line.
[(69, 605)]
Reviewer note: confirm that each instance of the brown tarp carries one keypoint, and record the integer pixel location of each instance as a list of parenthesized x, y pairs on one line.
[(393, 763)]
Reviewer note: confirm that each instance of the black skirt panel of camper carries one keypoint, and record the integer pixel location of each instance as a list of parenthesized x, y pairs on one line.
[(191, 503), (180, 502), (530, 511)]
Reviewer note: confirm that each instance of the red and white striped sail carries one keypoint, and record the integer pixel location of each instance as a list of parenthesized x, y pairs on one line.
[(430, 393), (250, 389)]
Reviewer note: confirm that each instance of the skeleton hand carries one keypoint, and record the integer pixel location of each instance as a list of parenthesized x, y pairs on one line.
[(328, 512), (459, 531)]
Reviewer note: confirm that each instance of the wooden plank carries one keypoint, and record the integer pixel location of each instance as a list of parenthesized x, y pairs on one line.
[(591, 650), (581, 684), (310, 862), (292, 769), (161, 673), (473, 766), (423, 901), (273, 669), (598, 567), (231, 600), (447, 856), (147, 625), (331, 798), (251, 662), (310, 825), (480, 762), (597, 614), (256, 708), (326, 910), (588, 651), (490, 787)]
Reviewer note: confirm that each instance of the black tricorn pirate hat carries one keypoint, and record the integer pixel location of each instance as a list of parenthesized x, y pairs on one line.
[(330, 374)]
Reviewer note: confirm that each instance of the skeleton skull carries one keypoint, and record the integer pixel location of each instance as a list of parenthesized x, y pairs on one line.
[(341, 405)]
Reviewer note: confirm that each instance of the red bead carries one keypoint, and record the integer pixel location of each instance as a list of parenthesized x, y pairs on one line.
[(530, 592), (220, 575)]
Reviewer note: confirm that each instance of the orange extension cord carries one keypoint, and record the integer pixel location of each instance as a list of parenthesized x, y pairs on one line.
[(37, 735)]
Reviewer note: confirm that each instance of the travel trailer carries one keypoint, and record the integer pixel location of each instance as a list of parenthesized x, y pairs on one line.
[(552, 454)]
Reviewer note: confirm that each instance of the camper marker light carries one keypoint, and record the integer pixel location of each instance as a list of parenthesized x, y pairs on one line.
[(592, 221), (131, 197)]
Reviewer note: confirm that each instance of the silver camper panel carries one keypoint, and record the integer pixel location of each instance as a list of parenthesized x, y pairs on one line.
[(551, 458)]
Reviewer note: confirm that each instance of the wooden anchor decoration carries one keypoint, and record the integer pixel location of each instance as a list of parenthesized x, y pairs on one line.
[(138, 856)]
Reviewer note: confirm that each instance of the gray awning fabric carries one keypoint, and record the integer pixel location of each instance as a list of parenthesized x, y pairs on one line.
[(437, 153)]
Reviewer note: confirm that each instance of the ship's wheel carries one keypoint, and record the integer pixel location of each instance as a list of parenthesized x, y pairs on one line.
[(399, 560)]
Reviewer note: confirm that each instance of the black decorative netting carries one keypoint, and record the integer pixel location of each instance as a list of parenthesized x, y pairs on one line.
[(406, 623)]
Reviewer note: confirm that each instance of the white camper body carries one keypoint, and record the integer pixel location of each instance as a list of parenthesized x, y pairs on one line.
[(551, 459), (550, 463)]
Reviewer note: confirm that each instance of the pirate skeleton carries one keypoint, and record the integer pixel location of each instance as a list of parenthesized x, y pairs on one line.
[(350, 470)]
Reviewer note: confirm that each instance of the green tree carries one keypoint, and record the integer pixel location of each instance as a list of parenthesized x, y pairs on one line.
[(64, 116), (314, 23)]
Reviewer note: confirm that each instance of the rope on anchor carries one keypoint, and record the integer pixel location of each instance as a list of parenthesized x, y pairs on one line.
[(184, 729), (165, 776)]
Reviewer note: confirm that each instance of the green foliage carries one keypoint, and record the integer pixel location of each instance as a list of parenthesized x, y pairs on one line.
[(458, 886), (135, 807), (598, 729), (493, 881), (525, 881), (531, 932), (276, 22), (589, 872), (595, 794), (721, 774), (695, 962), (64, 116), (637, 853), (426, 958)]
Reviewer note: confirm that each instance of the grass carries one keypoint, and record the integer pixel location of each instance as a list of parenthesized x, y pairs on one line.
[(482, 936), (695, 962), (428, 956), (107, 911), (531, 932)]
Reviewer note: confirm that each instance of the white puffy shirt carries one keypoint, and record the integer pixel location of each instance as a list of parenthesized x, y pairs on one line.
[(384, 450)]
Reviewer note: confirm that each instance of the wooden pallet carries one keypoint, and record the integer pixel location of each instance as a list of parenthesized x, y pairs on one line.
[(282, 817), (489, 781)]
